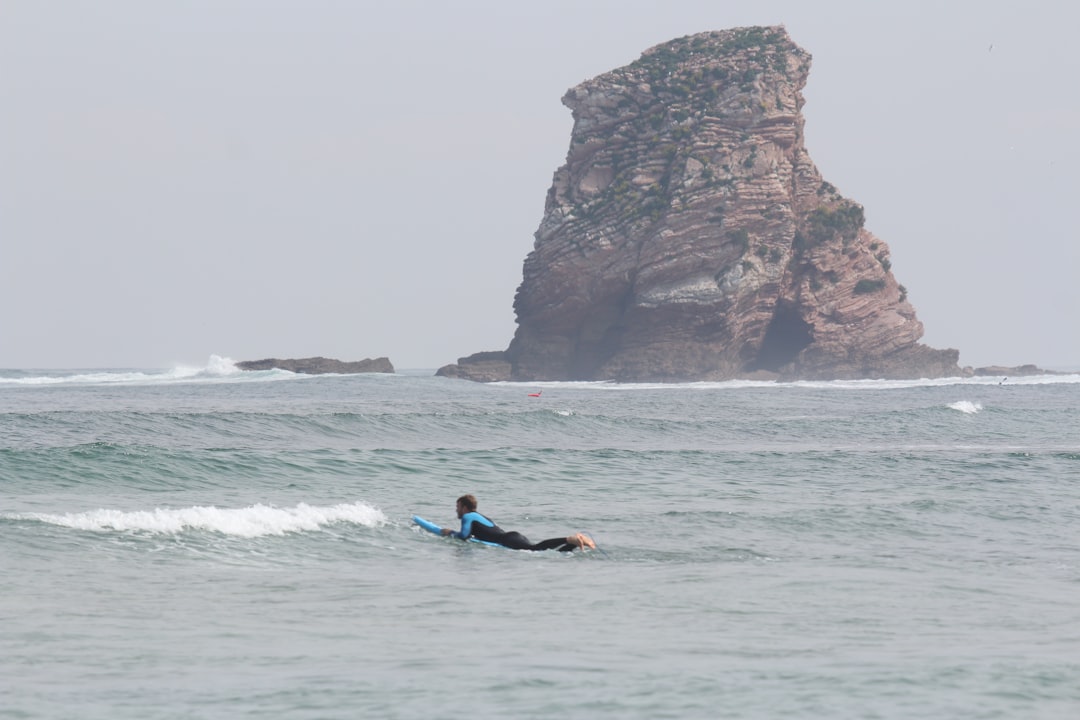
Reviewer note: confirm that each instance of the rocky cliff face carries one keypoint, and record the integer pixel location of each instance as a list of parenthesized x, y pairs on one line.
[(689, 236)]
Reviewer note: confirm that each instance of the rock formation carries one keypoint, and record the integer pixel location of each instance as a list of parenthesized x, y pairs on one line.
[(1009, 371), (689, 236), (320, 365)]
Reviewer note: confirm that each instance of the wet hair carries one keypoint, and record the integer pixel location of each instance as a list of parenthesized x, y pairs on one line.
[(469, 501)]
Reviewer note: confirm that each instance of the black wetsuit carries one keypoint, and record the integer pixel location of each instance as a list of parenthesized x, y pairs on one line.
[(473, 524)]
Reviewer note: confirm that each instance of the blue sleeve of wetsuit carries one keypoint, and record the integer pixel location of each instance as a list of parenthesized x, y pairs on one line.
[(467, 521)]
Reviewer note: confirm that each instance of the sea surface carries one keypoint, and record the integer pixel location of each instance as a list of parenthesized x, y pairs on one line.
[(207, 543)]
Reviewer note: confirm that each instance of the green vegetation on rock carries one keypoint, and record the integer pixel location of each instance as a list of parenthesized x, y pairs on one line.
[(866, 286)]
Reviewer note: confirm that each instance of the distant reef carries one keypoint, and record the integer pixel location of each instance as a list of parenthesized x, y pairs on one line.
[(320, 365), (1011, 371), (689, 236)]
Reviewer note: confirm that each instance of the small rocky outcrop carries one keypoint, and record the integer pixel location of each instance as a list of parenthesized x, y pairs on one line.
[(689, 236), (494, 366), (1008, 371), (320, 365)]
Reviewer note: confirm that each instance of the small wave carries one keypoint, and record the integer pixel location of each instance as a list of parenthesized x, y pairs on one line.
[(255, 521), (966, 406)]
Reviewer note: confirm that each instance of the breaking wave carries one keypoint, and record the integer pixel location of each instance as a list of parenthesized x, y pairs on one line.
[(217, 369), (255, 521)]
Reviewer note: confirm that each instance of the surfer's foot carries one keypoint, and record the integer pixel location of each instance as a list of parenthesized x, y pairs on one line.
[(582, 541)]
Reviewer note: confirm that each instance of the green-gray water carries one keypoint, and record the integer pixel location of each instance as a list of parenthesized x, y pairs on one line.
[(225, 545)]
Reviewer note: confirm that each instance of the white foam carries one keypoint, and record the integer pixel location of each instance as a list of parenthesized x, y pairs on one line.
[(217, 369), (254, 521), (216, 366), (966, 406)]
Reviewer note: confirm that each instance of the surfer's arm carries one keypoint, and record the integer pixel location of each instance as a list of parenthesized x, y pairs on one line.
[(466, 527), (463, 533), (467, 521)]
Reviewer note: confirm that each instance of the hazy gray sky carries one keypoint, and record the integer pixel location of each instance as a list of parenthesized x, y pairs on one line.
[(350, 179)]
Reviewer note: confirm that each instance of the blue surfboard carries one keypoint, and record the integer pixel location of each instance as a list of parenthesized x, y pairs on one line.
[(435, 529)]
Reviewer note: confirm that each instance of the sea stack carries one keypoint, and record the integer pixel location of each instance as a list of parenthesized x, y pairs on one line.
[(689, 236)]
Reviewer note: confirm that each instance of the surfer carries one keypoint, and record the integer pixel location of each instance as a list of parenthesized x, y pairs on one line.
[(473, 524)]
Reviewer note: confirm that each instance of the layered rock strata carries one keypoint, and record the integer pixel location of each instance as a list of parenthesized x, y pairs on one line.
[(689, 236), (320, 365)]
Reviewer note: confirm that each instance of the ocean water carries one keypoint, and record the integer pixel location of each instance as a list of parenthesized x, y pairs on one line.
[(205, 543)]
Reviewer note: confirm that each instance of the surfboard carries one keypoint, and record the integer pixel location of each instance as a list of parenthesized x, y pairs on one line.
[(436, 530)]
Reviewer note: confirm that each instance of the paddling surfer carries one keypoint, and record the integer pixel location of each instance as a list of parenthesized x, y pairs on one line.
[(478, 526)]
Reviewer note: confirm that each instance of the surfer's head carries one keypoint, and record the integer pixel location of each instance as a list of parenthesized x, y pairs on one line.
[(466, 504)]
